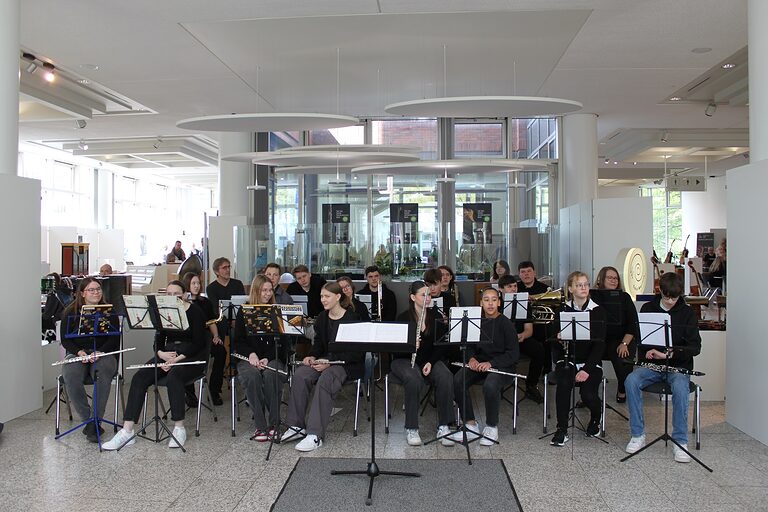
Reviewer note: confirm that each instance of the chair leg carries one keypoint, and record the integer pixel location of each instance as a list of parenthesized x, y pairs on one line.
[(546, 404), (357, 405), (602, 416), (117, 401), (144, 409), (386, 404), (58, 405), (233, 403), (514, 411), (698, 417), (201, 387)]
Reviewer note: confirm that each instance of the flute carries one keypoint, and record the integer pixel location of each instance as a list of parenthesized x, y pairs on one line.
[(318, 361), (244, 358), (419, 326), (85, 358), (493, 370), (662, 368), (152, 365)]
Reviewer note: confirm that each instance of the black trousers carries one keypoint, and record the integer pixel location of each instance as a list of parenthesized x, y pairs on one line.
[(493, 383), (535, 350), (566, 375), (174, 381), (219, 356), (621, 367)]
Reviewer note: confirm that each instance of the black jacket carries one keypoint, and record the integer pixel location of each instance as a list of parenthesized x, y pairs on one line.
[(262, 345), (536, 288), (388, 302), (685, 333), (193, 342), (361, 310), (498, 344), (589, 353), (70, 322), (325, 333), (316, 283), (427, 352)]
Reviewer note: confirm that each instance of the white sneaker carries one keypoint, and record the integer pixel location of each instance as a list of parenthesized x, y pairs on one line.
[(490, 434), (180, 435), (680, 455), (635, 444), (309, 443), (472, 434), (412, 436), (293, 434), (118, 440), (443, 432)]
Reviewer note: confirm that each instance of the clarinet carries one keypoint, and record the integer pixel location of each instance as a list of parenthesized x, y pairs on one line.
[(662, 368), (244, 358), (419, 326), (378, 300)]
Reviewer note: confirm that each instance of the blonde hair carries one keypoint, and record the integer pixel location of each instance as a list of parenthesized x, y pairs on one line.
[(572, 278), (255, 296)]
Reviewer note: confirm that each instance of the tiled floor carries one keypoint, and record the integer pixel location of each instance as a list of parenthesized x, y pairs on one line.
[(220, 472)]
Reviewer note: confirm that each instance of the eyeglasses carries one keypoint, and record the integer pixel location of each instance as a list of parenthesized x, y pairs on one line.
[(225, 266), (92, 290), (671, 299)]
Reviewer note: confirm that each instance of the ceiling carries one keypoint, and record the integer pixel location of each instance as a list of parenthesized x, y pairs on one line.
[(176, 59)]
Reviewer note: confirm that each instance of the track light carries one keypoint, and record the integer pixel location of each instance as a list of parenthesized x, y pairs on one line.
[(80, 124), (49, 74), (665, 137), (711, 109), (32, 66), (157, 144), (606, 161)]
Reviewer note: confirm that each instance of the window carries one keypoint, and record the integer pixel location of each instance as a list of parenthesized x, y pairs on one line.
[(421, 133), (478, 139), (667, 220)]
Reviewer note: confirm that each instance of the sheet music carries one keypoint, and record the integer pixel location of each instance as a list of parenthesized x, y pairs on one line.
[(437, 301), (292, 318), (303, 300), (582, 325), (136, 308), (474, 313), (86, 319), (652, 329), (172, 313), (521, 313), (372, 332)]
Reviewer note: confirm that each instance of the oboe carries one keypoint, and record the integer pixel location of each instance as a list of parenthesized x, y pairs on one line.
[(493, 370), (318, 361), (244, 358), (419, 326), (661, 368), (85, 358), (158, 364)]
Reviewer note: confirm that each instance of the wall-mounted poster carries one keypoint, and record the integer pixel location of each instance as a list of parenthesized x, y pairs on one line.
[(336, 223), (477, 223), (704, 241), (404, 223)]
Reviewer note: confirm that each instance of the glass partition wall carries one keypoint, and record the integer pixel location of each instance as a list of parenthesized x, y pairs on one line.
[(337, 222)]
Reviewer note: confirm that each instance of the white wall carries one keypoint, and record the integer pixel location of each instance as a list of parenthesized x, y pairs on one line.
[(221, 240), (618, 192), (746, 350), (703, 211), (20, 372)]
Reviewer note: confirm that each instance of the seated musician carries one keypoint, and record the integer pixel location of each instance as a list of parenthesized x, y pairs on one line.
[(194, 288), (431, 365), (583, 363), (88, 293), (529, 345), (434, 277), (310, 285), (499, 350), (687, 344), (388, 300), (315, 372), (172, 347), (261, 385), (357, 306)]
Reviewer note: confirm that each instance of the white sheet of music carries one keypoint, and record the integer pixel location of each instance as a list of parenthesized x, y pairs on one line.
[(293, 318), (436, 301), (474, 314), (652, 329), (365, 299), (521, 313), (303, 300), (372, 332), (582, 325)]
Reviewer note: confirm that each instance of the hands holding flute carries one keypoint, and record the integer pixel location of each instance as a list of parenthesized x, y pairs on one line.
[(169, 358), (89, 358), (477, 366), (316, 365), (255, 361)]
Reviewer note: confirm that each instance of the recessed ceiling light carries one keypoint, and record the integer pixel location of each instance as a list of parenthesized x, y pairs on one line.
[(728, 65), (91, 67), (615, 162), (83, 81), (675, 98), (702, 49)]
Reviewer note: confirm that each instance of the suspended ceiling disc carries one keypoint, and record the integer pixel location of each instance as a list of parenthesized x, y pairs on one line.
[(321, 158), (451, 167), (267, 122), (485, 106), (314, 169), (360, 148)]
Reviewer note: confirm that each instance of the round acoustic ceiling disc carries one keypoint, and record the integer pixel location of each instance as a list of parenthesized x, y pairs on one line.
[(267, 122), (321, 158), (485, 106), (451, 167)]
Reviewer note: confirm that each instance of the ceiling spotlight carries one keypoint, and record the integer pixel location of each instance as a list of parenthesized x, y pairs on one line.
[(157, 143), (615, 162), (728, 65), (80, 124), (32, 66), (49, 72), (83, 145), (675, 98), (664, 137), (606, 161), (711, 109), (634, 163)]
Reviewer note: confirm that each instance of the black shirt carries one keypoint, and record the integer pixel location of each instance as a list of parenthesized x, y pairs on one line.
[(325, 333), (536, 288), (192, 343), (216, 291), (498, 344), (685, 333), (388, 302), (316, 283), (427, 352)]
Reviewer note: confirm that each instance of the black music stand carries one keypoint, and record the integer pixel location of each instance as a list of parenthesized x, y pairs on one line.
[(464, 323), (665, 380), (570, 360), (376, 345), (151, 311), (93, 326), (231, 308), (513, 307)]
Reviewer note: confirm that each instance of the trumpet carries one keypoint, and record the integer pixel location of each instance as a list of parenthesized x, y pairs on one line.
[(85, 358), (545, 306), (420, 326), (158, 364), (244, 358), (662, 368)]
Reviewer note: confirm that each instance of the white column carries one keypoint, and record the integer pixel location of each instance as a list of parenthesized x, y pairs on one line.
[(234, 177), (757, 15), (9, 86), (578, 169)]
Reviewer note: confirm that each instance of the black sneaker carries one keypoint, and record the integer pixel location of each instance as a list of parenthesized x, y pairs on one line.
[(534, 394), (216, 397), (90, 432), (593, 429), (560, 437)]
